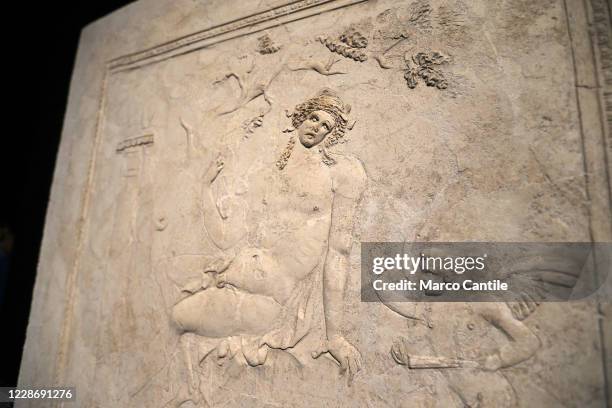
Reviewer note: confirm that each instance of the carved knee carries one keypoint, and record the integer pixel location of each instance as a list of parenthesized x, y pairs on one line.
[(178, 315)]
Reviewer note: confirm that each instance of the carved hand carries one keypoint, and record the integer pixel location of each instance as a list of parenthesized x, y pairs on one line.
[(345, 354)]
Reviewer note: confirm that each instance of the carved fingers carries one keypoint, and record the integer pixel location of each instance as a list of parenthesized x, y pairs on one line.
[(347, 356), (353, 365), (524, 306)]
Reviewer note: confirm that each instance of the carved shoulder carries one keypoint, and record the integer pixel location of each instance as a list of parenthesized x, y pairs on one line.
[(348, 176)]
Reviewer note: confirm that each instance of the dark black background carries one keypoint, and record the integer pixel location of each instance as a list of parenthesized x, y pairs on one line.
[(39, 47)]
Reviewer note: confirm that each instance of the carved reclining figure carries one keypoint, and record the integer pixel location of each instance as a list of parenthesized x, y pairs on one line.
[(293, 233)]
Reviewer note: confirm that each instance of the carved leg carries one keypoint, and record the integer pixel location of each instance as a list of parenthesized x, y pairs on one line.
[(186, 350), (189, 391), (254, 271), (225, 312)]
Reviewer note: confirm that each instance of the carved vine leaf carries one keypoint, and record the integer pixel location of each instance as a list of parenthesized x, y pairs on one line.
[(419, 15), (424, 66)]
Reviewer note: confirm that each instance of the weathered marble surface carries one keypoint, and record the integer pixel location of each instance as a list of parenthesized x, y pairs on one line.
[(193, 254)]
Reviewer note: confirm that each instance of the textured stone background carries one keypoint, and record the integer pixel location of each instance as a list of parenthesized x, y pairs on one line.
[(499, 155)]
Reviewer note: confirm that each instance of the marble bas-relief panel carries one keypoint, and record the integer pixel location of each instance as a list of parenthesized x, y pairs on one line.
[(233, 183)]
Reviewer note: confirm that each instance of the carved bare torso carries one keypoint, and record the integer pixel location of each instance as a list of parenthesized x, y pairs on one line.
[(287, 216), (290, 215)]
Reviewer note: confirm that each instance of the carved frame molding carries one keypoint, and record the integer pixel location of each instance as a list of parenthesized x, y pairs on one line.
[(589, 24)]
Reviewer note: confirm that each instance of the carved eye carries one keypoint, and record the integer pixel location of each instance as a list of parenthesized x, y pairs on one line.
[(314, 118), (326, 126)]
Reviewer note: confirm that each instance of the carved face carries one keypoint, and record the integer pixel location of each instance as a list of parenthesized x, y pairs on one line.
[(313, 130)]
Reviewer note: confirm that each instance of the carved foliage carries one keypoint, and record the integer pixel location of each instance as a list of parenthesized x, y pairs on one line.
[(265, 45), (250, 125), (350, 44), (423, 65), (390, 31)]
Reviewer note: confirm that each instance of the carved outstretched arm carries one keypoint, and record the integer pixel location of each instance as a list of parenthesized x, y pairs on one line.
[(225, 231), (335, 276), (336, 269), (522, 342), (348, 191)]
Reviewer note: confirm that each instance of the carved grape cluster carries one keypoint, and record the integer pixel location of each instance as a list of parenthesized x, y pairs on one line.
[(350, 44), (265, 45), (354, 39)]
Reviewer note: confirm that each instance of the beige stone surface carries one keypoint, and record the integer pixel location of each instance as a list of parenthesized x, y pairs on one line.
[(221, 161)]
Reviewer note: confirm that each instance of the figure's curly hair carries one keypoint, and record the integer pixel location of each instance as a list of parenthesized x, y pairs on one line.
[(328, 101)]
